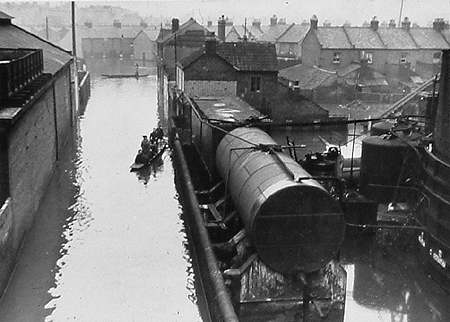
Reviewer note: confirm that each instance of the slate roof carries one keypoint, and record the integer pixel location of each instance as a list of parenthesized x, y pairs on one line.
[(384, 38), (15, 37), (428, 38), (191, 24), (396, 38), (4, 15), (446, 34), (363, 38), (295, 34), (249, 56), (307, 77), (243, 56), (239, 31), (272, 33), (333, 37)]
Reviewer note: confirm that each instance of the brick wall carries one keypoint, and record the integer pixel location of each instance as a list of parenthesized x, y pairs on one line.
[(32, 146), (261, 100), (310, 50), (210, 67), (210, 88)]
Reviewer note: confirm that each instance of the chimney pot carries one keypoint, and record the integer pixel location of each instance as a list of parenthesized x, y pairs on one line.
[(374, 24), (221, 28), (392, 23), (406, 23), (273, 20), (314, 22), (175, 25)]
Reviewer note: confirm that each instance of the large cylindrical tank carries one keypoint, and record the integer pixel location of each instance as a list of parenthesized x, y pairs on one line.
[(295, 225), (383, 164)]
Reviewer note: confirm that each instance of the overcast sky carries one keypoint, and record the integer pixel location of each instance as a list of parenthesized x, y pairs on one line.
[(335, 11)]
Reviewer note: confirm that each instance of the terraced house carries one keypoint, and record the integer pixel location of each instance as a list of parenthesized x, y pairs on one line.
[(386, 49)]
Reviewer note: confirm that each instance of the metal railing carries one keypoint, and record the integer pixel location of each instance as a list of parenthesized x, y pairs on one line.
[(23, 67)]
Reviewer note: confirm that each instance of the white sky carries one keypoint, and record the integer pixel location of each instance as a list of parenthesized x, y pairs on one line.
[(337, 12)]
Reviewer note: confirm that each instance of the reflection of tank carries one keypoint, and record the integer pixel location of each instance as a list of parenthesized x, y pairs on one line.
[(292, 221)]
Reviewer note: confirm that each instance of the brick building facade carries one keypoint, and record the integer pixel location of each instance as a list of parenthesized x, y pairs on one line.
[(382, 47)]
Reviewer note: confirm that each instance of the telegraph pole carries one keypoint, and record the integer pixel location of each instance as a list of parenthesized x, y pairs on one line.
[(400, 15), (74, 57)]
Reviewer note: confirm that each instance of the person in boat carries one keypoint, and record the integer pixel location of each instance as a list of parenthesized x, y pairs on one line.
[(153, 138), (140, 158), (159, 133), (145, 145)]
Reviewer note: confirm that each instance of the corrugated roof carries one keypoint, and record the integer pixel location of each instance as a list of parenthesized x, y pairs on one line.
[(396, 38), (272, 33), (249, 56), (363, 37), (333, 37), (428, 38), (307, 77), (15, 37), (295, 34)]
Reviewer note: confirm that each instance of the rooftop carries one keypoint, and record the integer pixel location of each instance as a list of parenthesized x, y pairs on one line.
[(308, 78), (271, 33), (226, 109), (15, 37), (243, 56), (294, 34)]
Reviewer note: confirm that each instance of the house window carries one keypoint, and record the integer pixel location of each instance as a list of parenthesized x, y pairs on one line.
[(336, 58), (403, 58), (437, 57), (369, 57), (255, 83)]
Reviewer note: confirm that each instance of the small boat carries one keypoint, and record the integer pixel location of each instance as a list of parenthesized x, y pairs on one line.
[(162, 146), (124, 75)]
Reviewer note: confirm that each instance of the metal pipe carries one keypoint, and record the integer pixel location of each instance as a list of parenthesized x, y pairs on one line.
[(215, 275)]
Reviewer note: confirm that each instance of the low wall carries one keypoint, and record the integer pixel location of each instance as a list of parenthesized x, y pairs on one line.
[(7, 253)]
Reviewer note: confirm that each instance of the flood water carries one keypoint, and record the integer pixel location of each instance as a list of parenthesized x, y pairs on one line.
[(108, 245)]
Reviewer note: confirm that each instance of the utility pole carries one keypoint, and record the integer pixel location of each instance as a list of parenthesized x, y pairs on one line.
[(74, 57), (46, 28), (400, 15)]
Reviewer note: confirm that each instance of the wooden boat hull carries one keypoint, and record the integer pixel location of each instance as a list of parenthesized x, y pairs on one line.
[(124, 75), (139, 166)]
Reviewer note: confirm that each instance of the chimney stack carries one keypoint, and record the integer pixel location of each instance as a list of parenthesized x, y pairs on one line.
[(406, 24), (175, 25), (221, 28), (314, 22), (282, 21), (392, 23), (439, 24), (210, 45), (209, 23), (273, 20), (374, 23), (256, 23)]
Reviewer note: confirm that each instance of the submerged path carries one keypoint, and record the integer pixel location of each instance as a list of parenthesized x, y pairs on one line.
[(107, 245)]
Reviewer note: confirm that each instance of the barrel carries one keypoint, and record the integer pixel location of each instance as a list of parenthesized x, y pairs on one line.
[(294, 225)]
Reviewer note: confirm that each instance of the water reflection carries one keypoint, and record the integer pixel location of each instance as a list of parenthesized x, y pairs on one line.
[(105, 247)]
